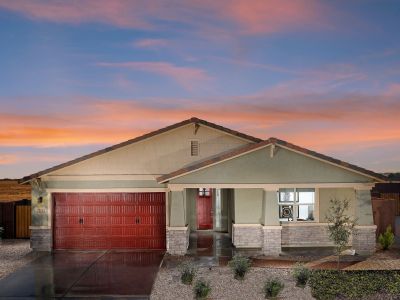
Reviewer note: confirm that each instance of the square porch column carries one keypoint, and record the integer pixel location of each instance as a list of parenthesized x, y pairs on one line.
[(177, 229), (272, 230), (364, 236)]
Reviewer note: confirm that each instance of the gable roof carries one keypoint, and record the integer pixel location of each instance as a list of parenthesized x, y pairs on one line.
[(271, 141), (192, 120)]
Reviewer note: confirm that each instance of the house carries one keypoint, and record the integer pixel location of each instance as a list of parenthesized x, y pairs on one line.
[(387, 197), (152, 191), (15, 209)]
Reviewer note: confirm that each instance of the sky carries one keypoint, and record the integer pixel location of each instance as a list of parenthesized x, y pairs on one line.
[(77, 76)]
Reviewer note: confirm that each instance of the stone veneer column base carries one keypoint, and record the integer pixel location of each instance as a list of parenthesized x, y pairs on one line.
[(364, 239), (272, 240), (177, 240), (41, 238), (247, 235)]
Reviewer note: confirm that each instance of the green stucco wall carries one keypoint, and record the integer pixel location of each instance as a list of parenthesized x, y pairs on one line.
[(285, 167), (363, 208), (248, 206), (326, 194)]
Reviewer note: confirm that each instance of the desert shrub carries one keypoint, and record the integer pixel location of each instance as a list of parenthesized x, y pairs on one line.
[(272, 288), (387, 238), (334, 284), (188, 272), (240, 265), (301, 274), (201, 289)]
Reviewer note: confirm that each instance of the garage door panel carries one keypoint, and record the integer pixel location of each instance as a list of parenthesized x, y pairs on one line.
[(109, 220)]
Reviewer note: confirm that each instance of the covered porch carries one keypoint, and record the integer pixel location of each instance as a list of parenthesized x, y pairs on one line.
[(267, 198)]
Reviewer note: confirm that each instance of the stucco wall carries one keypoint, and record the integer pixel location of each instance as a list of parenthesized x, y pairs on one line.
[(285, 167), (248, 206), (160, 154), (326, 194)]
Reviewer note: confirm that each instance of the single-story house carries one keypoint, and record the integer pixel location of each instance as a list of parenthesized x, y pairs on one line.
[(152, 191)]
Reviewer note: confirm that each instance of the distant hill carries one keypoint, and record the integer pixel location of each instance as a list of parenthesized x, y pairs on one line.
[(10, 190)]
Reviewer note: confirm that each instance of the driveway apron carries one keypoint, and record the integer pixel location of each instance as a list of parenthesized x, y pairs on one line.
[(77, 274)]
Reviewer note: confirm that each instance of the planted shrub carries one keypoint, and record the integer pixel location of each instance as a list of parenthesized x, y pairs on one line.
[(301, 274), (201, 289), (188, 272), (334, 284), (240, 265), (387, 238), (272, 288)]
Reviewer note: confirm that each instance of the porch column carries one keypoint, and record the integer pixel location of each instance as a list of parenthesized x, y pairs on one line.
[(272, 231), (364, 238), (177, 231), (41, 228), (247, 230)]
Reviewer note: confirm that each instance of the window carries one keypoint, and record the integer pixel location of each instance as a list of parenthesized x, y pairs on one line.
[(296, 204), (204, 192), (194, 148)]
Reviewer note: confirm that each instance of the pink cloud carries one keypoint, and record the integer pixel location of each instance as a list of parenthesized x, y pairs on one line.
[(151, 43), (247, 16), (186, 76), (8, 159)]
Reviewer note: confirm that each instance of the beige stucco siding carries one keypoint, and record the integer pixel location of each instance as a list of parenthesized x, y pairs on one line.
[(160, 154), (248, 206), (285, 166), (326, 194)]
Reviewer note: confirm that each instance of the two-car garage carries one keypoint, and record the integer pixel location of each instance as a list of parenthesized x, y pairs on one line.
[(109, 220)]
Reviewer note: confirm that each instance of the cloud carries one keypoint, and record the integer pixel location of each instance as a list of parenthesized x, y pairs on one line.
[(186, 76), (246, 16), (151, 43), (8, 159)]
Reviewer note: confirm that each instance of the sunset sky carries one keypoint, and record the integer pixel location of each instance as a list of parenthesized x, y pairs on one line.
[(77, 76)]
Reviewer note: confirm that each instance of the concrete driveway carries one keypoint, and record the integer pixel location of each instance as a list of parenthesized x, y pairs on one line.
[(76, 274)]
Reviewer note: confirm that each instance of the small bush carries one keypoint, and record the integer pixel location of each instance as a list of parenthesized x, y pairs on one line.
[(188, 272), (201, 289), (272, 288), (301, 274), (387, 238), (240, 265)]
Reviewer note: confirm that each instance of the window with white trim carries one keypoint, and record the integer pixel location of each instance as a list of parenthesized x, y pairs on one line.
[(296, 205), (194, 148)]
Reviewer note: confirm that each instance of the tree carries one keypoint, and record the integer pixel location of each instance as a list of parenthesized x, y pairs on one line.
[(341, 225)]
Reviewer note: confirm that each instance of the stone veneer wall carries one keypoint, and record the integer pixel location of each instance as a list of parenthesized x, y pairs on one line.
[(306, 236), (247, 235), (364, 239), (272, 240), (41, 239), (177, 240)]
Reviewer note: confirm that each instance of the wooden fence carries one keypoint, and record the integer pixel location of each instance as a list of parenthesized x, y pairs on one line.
[(15, 218)]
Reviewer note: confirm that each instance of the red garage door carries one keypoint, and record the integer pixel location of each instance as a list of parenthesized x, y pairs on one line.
[(109, 220)]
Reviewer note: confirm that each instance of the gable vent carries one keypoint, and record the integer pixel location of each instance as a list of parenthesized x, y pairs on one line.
[(194, 148)]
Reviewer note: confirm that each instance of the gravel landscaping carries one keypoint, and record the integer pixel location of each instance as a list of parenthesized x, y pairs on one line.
[(13, 255), (224, 286)]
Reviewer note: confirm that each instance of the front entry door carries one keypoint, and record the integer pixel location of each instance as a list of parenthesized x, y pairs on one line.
[(204, 209)]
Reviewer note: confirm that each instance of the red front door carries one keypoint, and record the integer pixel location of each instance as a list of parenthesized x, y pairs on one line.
[(109, 220), (204, 209)]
